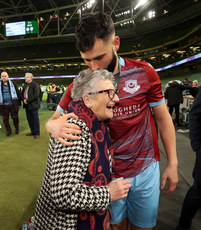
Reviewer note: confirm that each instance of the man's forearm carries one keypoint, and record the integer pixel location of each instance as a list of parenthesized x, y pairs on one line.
[(167, 134)]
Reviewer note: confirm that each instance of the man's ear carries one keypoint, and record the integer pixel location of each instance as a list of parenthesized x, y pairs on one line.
[(86, 99), (116, 43)]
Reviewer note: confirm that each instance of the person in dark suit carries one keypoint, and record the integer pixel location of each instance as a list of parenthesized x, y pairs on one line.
[(10, 101), (195, 89), (31, 95), (174, 97), (192, 201)]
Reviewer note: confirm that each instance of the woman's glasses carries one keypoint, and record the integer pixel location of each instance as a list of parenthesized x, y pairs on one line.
[(111, 92)]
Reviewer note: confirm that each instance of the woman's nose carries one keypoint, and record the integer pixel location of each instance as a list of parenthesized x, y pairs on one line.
[(116, 98)]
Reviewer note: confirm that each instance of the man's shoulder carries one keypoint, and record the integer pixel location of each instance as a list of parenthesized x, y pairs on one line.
[(136, 63), (34, 84), (70, 86)]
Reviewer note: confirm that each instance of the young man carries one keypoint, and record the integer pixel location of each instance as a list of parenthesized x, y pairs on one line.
[(31, 93), (10, 102), (132, 129)]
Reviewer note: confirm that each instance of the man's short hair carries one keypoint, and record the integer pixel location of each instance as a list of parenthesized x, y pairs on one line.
[(30, 74), (91, 26)]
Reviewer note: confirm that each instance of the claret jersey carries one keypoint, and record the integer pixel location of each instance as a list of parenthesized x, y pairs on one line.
[(132, 129)]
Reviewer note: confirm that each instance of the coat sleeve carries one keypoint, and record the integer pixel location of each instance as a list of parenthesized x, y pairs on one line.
[(69, 166), (18, 94), (195, 124), (166, 94)]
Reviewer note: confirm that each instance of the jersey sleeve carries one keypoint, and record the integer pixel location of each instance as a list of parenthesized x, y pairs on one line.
[(155, 96), (65, 100)]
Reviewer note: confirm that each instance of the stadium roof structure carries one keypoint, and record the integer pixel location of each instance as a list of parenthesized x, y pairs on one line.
[(147, 31)]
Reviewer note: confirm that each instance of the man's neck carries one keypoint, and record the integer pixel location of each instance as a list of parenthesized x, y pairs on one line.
[(116, 69)]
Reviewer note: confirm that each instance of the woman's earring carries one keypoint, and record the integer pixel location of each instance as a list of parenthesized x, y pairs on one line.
[(89, 106)]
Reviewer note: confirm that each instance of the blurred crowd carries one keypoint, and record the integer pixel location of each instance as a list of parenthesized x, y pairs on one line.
[(175, 92), (30, 94)]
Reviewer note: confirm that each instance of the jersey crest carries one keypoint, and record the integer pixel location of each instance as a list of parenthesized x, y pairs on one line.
[(131, 86)]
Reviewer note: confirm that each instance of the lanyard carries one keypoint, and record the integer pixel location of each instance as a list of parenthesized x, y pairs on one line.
[(116, 83)]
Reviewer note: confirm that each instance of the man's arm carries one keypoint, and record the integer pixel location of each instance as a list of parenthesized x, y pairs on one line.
[(167, 134), (18, 94)]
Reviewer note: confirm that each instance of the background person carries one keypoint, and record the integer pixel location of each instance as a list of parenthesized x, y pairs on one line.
[(31, 99), (41, 92), (132, 129), (174, 97), (10, 102), (192, 201), (76, 192), (195, 89)]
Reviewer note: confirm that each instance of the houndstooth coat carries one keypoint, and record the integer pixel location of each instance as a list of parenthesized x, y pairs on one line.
[(63, 194)]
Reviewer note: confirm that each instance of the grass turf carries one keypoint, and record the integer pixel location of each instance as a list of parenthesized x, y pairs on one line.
[(22, 165)]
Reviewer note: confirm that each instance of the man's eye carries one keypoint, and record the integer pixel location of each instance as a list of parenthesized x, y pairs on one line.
[(99, 58)]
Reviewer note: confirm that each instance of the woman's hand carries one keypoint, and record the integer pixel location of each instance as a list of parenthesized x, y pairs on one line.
[(119, 188)]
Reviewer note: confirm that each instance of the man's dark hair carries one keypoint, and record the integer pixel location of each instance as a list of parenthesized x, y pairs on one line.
[(91, 26)]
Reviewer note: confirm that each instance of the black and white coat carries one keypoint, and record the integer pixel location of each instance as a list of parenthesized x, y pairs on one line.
[(62, 193)]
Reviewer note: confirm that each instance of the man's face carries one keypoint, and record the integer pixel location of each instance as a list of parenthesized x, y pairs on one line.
[(28, 78), (4, 77), (195, 83), (101, 56)]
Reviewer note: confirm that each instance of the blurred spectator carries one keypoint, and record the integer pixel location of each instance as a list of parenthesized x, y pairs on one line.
[(190, 83), (31, 97), (192, 201), (174, 96), (194, 91), (54, 94), (185, 81), (41, 92), (53, 88), (48, 92), (10, 101), (195, 83)]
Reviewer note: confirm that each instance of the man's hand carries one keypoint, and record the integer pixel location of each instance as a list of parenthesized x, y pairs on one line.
[(59, 128), (25, 101), (170, 174), (119, 188)]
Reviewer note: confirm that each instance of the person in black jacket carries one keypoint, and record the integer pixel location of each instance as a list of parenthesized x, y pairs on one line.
[(192, 201), (10, 101), (31, 95), (174, 97), (195, 89)]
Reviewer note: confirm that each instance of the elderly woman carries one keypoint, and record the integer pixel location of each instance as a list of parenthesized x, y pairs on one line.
[(77, 187)]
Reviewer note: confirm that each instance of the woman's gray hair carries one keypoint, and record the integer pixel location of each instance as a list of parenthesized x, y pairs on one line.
[(86, 82)]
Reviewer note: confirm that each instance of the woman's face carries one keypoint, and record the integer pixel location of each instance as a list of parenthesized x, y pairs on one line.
[(101, 104)]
